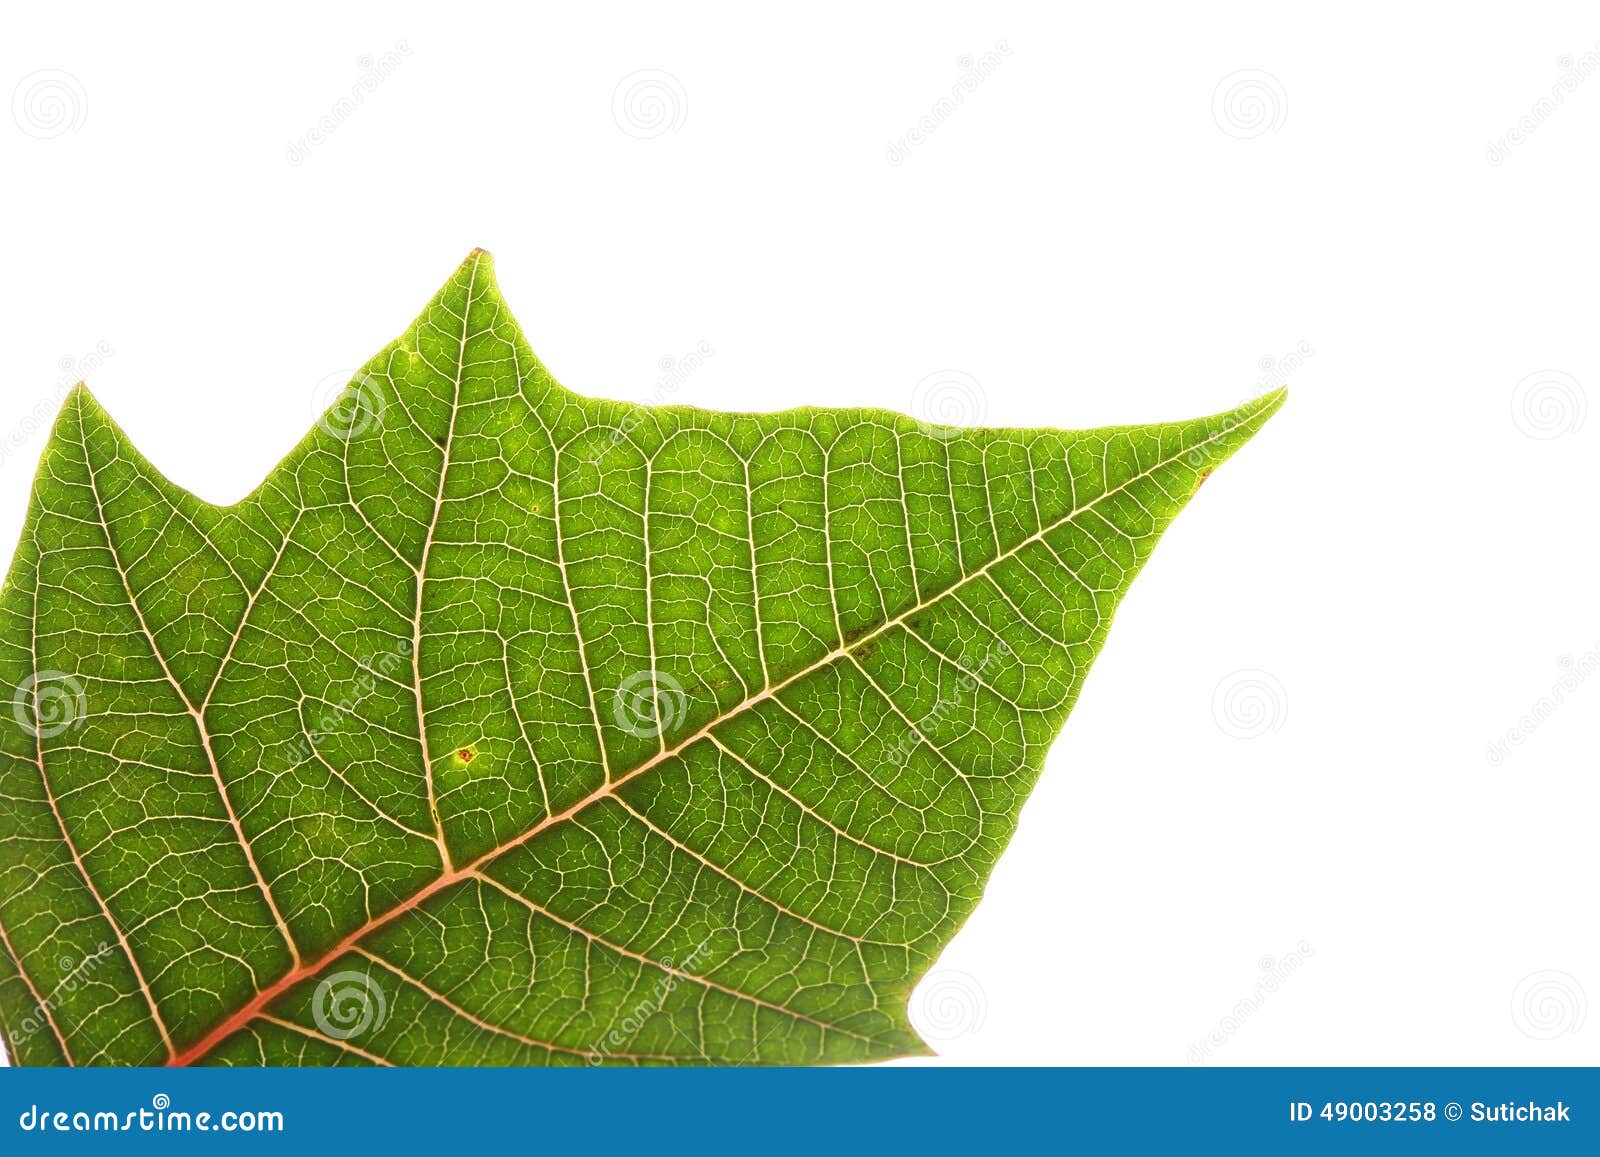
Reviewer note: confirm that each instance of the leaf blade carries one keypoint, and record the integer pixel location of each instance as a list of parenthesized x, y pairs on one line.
[(409, 667)]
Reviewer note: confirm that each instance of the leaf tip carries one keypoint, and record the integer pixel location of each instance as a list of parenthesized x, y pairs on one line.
[(1214, 440), (476, 265), (1253, 415), (476, 268), (1273, 399), (77, 396)]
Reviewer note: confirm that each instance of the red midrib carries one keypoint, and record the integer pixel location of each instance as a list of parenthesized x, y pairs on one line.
[(305, 971)]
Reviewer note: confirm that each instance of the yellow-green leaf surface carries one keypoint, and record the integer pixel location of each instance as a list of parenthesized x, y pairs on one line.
[(507, 726)]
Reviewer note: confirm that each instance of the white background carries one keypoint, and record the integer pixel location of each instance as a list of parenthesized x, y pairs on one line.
[(1114, 226)]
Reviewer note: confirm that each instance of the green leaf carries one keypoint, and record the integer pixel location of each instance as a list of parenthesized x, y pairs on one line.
[(505, 726)]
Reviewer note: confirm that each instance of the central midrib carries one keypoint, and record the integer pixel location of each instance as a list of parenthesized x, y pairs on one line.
[(248, 1012), (422, 579)]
